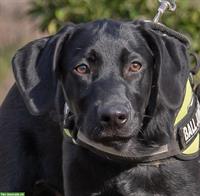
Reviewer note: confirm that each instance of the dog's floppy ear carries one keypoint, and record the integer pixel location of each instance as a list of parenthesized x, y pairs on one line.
[(170, 74), (34, 68), (170, 50)]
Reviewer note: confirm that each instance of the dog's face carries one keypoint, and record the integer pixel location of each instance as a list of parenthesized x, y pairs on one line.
[(124, 82), (107, 78)]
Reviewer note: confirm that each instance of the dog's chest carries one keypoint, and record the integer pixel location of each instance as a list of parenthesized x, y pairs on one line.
[(133, 182)]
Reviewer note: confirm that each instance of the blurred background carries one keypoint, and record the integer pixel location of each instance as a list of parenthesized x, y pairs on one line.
[(24, 20)]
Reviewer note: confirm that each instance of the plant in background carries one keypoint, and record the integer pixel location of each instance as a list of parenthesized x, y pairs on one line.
[(54, 14)]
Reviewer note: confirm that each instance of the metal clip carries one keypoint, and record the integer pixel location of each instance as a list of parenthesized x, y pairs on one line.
[(74, 141), (164, 5)]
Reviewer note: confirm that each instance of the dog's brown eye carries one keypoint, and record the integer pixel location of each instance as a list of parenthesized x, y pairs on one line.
[(134, 67), (82, 69)]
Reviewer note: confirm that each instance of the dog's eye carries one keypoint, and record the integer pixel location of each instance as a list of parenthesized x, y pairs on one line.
[(134, 67), (82, 69)]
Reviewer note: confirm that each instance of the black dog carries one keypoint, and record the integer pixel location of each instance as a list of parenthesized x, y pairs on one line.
[(124, 83)]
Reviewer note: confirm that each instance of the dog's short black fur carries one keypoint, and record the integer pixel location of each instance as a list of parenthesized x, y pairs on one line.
[(124, 83)]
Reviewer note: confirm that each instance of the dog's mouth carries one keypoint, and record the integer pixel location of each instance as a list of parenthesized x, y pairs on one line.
[(110, 145), (112, 137), (102, 138), (114, 141)]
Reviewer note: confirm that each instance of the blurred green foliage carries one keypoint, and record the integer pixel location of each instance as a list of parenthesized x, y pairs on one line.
[(53, 14)]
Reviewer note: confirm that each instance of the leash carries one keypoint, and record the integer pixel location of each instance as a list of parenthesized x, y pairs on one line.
[(164, 5)]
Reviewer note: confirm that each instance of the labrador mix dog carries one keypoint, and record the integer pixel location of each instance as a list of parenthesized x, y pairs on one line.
[(123, 83)]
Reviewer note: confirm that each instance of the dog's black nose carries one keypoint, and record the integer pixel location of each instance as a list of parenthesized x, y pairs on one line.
[(113, 115)]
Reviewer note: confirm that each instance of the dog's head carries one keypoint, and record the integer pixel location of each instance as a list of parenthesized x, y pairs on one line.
[(123, 81)]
